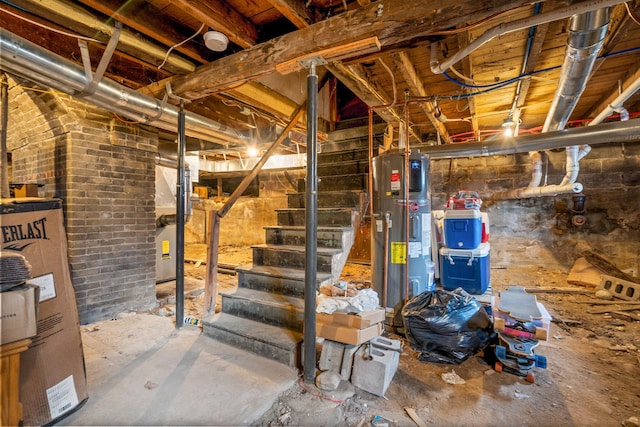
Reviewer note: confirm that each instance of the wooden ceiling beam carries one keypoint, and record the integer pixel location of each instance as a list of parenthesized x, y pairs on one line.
[(410, 74), (78, 20), (619, 25), (219, 16), (124, 69), (394, 22), (532, 62), (295, 11), (356, 80), (143, 17), (464, 39)]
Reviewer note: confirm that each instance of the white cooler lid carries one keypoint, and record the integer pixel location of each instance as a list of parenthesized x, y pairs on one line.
[(482, 250), (462, 213)]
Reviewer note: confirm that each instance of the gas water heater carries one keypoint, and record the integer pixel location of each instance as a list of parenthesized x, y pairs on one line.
[(396, 255)]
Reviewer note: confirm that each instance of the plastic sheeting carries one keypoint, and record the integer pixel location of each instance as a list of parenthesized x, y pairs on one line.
[(446, 326)]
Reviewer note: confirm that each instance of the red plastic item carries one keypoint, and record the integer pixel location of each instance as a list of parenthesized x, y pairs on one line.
[(465, 199)]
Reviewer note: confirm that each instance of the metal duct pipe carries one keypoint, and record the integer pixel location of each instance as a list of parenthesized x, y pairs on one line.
[(600, 134), (518, 25), (586, 36), (32, 62)]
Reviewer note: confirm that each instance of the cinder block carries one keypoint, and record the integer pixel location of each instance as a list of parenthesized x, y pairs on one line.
[(347, 361), (374, 368), (331, 356), (386, 344), (623, 289)]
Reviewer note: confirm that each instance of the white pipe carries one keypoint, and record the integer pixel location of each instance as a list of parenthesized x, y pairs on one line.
[(547, 190), (572, 167), (536, 173), (624, 114), (518, 25), (617, 103)]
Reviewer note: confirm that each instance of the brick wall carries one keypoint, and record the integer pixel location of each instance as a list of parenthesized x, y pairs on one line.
[(103, 170), (243, 224), (538, 230)]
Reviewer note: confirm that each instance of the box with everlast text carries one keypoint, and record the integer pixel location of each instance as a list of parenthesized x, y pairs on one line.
[(52, 373)]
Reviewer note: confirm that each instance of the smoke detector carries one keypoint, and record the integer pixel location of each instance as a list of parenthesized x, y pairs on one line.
[(215, 41)]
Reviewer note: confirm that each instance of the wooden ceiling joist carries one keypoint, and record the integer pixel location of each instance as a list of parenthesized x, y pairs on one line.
[(408, 70), (85, 24), (295, 11), (355, 79), (632, 75), (219, 16), (400, 22), (143, 17)]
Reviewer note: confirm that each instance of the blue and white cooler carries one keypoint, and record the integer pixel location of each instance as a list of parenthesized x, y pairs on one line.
[(462, 228), (465, 268)]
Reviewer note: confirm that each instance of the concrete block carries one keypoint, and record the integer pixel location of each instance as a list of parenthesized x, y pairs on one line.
[(384, 343), (347, 361), (374, 368), (331, 356), (620, 288)]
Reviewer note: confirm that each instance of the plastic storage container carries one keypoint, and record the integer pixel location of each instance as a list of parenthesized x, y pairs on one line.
[(462, 229), (465, 268)]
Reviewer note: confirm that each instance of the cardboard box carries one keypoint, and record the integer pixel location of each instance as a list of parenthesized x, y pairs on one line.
[(358, 321), (25, 190), (52, 373), (18, 313), (347, 335)]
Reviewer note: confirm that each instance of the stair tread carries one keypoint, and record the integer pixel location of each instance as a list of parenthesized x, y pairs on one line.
[(266, 297), (274, 335), (281, 272), (319, 209), (293, 248), (302, 227), (329, 191)]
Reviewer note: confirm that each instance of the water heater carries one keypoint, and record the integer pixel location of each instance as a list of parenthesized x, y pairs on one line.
[(396, 255)]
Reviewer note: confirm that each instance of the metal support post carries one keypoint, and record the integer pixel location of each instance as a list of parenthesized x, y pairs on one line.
[(311, 221), (180, 210)]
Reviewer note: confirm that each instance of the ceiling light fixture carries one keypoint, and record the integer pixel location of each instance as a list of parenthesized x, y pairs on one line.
[(508, 125), (252, 152), (216, 41)]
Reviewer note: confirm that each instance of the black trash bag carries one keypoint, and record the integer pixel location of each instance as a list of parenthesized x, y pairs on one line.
[(446, 326)]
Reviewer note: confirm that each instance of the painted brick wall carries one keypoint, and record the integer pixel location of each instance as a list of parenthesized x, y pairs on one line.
[(539, 230), (103, 171)]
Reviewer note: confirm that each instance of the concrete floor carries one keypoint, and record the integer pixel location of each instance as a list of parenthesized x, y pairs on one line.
[(142, 371)]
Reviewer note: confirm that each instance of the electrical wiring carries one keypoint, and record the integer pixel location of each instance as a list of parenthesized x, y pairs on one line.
[(473, 25), (499, 85), (55, 30), (632, 15), (393, 80), (470, 135), (34, 89), (166, 56)]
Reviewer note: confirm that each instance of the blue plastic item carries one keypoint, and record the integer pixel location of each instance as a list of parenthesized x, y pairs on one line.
[(465, 268), (462, 229)]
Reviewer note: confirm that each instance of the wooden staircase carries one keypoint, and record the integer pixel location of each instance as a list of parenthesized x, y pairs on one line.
[(265, 314)]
